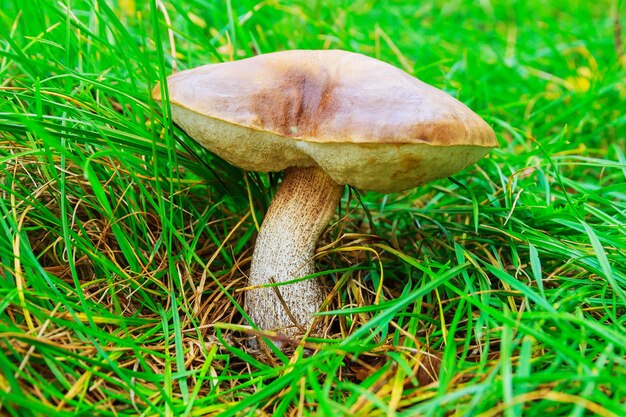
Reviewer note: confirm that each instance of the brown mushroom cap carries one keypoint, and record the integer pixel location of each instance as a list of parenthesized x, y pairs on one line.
[(364, 122)]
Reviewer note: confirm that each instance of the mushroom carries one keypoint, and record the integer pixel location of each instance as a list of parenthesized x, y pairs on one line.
[(327, 118)]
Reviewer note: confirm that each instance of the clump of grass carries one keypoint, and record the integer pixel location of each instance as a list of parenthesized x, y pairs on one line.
[(124, 246)]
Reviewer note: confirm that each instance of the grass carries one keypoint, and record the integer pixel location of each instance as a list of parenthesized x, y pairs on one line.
[(123, 245)]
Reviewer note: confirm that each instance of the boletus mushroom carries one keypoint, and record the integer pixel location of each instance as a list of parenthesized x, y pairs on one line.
[(328, 119)]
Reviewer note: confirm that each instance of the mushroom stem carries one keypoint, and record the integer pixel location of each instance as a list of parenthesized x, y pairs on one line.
[(301, 209)]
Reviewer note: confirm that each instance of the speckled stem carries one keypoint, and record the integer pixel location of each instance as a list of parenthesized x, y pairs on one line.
[(301, 209)]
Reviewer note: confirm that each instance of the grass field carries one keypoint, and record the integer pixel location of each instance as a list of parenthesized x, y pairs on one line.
[(124, 245)]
